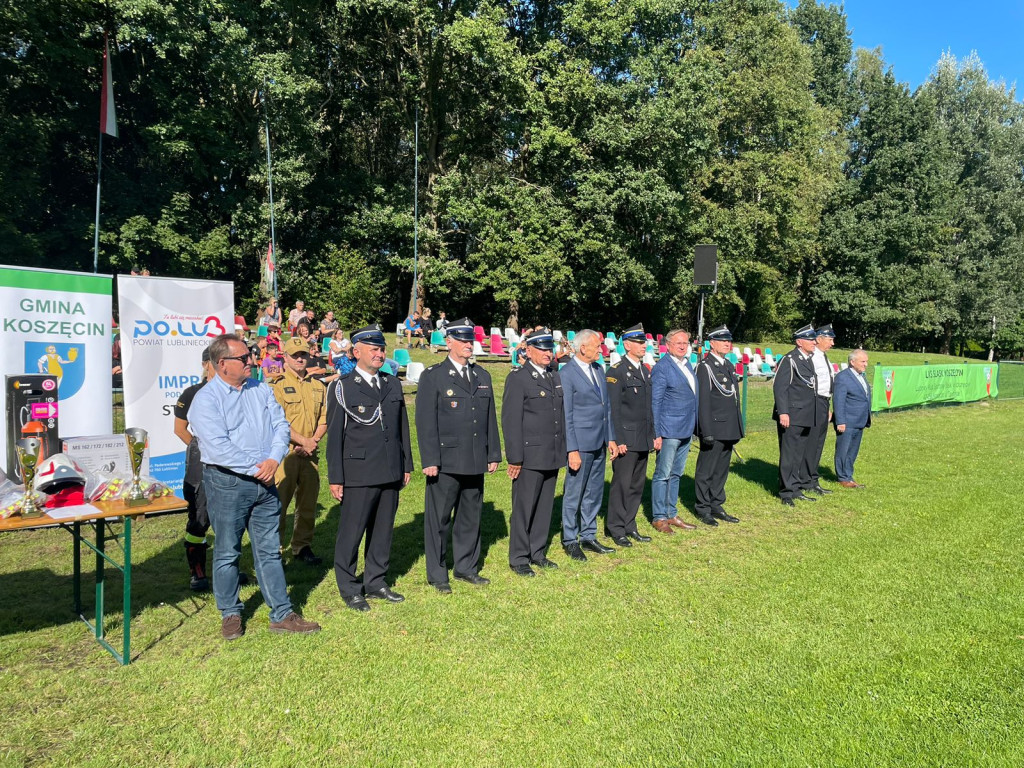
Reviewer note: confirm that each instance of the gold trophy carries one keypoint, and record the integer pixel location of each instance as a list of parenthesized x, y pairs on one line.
[(138, 439), (27, 449)]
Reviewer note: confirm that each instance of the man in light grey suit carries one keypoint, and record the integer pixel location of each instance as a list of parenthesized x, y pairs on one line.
[(674, 401), (588, 432), (851, 403)]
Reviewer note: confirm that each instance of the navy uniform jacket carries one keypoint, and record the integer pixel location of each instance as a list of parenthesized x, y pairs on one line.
[(794, 390), (851, 404), (457, 426), (718, 413), (629, 392), (532, 419), (374, 454)]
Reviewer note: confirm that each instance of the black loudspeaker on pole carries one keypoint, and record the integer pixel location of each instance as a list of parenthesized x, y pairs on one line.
[(705, 276), (705, 265)]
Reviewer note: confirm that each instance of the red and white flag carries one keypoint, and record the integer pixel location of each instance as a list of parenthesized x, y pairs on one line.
[(270, 265), (108, 118)]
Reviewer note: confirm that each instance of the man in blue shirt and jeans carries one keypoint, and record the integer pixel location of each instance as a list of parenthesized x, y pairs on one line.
[(243, 436)]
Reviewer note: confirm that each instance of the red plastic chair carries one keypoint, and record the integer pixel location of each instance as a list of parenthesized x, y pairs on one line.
[(746, 359), (478, 334), (604, 350), (497, 344)]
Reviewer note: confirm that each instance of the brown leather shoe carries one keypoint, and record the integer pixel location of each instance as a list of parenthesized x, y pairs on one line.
[(662, 526), (231, 627), (681, 524), (295, 624), (849, 484)]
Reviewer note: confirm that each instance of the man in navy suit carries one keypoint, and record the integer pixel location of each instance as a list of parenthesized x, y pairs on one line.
[(851, 403), (588, 431), (674, 400)]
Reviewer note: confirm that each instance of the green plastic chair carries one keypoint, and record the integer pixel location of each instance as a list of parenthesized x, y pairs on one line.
[(401, 356), (436, 339), (570, 335)]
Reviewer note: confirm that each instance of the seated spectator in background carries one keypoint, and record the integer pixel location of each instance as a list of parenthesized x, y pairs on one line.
[(273, 363), (442, 322), (302, 330), (314, 326), (342, 361), (426, 323), (274, 333), (295, 315), (328, 325), (334, 348), (413, 329), (317, 365), (272, 314)]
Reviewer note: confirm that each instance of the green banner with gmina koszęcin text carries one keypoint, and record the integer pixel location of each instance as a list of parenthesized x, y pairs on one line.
[(906, 385)]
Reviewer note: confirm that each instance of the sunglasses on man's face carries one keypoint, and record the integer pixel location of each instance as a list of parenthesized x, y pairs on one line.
[(239, 358)]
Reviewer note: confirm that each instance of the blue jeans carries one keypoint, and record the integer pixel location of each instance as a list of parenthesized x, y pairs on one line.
[(847, 448), (582, 495), (236, 503), (668, 468)]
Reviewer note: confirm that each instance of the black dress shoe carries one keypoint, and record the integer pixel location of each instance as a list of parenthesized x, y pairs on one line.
[(635, 536), (788, 503), (803, 497), (723, 515), (572, 549), (595, 546), (385, 594), (306, 555), (472, 578), (544, 563), (356, 602), (441, 586), (820, 491), (707, 519), (622, 541), (522, 570)]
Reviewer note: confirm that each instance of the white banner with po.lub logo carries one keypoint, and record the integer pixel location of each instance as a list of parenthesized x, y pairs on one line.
[(55, 334), (166, 323)]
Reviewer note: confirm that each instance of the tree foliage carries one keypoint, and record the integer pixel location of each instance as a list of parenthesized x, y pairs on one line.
[(571, 154)]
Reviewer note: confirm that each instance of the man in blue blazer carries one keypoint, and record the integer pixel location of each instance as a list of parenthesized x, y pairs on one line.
[(851, 404), (674, 399), (588, 433)]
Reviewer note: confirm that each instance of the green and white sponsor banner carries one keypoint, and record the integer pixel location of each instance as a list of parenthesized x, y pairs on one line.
[(166, 323), (901, 386), (59, 323)]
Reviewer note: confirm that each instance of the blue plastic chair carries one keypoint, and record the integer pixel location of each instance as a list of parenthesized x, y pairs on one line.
[(402, 357)]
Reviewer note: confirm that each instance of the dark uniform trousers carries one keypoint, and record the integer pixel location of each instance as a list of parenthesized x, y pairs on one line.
[(457, 426), (629, 473), (632, 417), (370, 461), (195, 492), (371, 509), (820, 433), (710, 475), (719, 427), (533, 496), (532, 418), (793, 388), (451, 495)]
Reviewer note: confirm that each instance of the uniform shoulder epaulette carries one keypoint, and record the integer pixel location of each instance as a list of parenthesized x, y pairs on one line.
[(435, 365), (611, 379)]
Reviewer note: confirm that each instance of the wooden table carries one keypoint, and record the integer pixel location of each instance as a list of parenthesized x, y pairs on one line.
[(110, 514)]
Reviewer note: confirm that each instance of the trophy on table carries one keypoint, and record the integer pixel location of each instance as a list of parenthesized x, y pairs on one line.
[(27, 449), (138, 439)]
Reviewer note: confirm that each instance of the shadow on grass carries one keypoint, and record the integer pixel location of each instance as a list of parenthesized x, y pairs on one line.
[(301, 577), (39, 598), (759, 472)]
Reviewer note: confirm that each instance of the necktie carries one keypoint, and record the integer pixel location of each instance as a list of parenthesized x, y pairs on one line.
[(594, 381), (375, 382)]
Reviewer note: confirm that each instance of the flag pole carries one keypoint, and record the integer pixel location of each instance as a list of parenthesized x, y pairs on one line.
[(96, 235), (416, 212), (270, 186)]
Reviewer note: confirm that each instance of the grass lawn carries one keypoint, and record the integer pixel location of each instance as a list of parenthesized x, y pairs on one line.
[(876, 627)]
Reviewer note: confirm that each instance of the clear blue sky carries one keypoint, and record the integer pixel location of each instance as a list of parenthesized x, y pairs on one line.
[(914, 33)]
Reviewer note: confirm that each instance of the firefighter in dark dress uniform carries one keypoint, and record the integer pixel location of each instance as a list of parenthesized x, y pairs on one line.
[(369, 460), (797, 414), (629, 394), (719, 427), (534, 432), (457, 427)]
